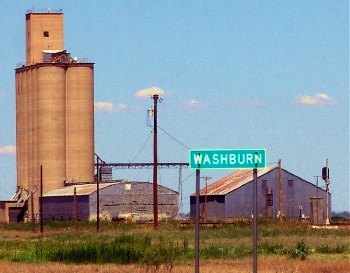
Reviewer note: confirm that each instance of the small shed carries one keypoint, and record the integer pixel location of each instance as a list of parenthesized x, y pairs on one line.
[(280, 193), (10, 211), (119, 200)]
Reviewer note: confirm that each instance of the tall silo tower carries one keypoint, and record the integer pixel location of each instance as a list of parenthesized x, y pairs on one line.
[(54, 110)]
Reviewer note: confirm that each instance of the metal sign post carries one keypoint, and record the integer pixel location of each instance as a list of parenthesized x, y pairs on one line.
[(255, 220), (228, 159), (197, 221)]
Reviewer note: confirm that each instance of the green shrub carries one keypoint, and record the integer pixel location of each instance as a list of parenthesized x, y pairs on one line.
[(214, 252), (326, 249), (130, 243), (242, 251), (266, 248), (300, 251)]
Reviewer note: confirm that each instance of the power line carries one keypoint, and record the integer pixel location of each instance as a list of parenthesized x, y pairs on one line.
[(272, 163), (143, 146), (174, 138), (188, 177)]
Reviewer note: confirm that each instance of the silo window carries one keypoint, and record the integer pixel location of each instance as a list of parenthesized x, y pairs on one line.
[(46, 34)]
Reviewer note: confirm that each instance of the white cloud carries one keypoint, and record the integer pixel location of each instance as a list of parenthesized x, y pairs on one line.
[(194, 104), (7, 150), (109, 107), (104, 106), (246, 102), (3, 94), (149, 92), (318, 99), (120, 107)]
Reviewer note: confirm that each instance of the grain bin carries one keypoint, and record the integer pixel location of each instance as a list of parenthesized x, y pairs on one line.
[(80, 123)]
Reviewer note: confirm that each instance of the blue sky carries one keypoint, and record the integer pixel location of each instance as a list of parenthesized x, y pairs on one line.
[(233, 74)]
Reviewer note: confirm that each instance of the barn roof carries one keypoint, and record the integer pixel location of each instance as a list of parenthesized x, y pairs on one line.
[(232, 181), (85, 189)]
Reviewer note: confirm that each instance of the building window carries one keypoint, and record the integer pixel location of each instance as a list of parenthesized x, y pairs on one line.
[(269, 197), (46, 34), (264, 184), (290, 183)]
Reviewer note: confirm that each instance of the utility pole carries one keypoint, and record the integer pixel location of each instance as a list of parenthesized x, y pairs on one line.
[(99, 163), (98, 195), (180, 190), (155, 164), (41, 201), (206, 178), (317, 176), (280, 182), (75, 210), (32, 211)]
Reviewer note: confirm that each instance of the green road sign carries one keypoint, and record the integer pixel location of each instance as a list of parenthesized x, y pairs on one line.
[(227, 159)]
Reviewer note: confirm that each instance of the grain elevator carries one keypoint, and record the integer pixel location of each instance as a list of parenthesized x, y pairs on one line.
[(54, 112)]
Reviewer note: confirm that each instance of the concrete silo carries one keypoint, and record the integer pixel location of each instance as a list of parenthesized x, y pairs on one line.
[(51, 124), (54, 111), (79, 123)]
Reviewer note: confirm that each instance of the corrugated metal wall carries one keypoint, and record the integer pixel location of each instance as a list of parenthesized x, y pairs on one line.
[(239, 203), (62, 208), (118, 200), (136, 198)]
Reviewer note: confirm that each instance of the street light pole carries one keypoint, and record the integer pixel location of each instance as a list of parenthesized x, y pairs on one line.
[(155, 164), (327, 192)]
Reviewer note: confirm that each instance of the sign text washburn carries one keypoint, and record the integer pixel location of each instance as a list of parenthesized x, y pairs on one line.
[(228, 159), (231, 159)]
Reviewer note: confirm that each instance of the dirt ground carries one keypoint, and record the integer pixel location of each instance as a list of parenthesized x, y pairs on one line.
[(271, 264)]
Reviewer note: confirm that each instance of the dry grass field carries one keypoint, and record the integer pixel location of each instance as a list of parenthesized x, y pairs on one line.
[(314, 264), (225, 248)]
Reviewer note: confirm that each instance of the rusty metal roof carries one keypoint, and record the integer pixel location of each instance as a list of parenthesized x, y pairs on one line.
[(232, 181), (85, 189)]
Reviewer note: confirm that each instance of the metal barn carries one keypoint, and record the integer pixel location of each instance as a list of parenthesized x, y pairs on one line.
[(232, 196), (120, 200)]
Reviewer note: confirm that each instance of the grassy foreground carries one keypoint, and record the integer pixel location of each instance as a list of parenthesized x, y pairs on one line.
[(266, 264), (288, 246)]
